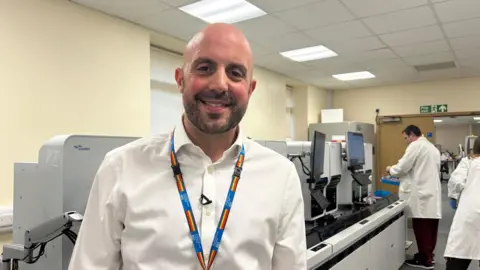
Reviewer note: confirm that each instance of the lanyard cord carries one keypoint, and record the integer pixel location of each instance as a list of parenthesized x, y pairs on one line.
[(187, 207)]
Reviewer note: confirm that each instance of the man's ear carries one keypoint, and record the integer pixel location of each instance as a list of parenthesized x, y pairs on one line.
[(179, 79), (253, 85)]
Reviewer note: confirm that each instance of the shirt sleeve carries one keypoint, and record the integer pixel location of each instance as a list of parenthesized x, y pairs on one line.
[(405, 164), (457, 180), (98, 242), (290, 248)]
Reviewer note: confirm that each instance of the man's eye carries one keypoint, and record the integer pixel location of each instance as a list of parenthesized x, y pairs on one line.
[(237, 73), (204, 68)]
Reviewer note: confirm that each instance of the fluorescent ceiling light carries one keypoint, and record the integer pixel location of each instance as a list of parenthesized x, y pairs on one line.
[(309, 54), (437, 120), (354, 76), (476, 118), (223, 11)]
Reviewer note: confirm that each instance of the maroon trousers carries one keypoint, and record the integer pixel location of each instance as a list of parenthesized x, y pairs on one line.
[(426, 231)]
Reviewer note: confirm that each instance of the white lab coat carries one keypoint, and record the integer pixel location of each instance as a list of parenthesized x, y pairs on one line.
[(464, 237), (419, 174), (457, 180)]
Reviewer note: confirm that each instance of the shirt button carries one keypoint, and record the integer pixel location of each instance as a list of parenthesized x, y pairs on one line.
[(207, 213), (210, 169)]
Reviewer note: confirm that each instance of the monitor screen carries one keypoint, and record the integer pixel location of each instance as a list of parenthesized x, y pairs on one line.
[(317, 155), (355, 149)]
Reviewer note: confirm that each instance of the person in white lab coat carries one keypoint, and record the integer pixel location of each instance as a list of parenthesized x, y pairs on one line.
[(244, 207), (463, 244), (419, 174)]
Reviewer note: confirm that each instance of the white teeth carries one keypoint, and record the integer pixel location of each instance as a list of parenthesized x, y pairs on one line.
[(214, 104)]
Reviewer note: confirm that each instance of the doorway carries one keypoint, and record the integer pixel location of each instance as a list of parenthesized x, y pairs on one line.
[(443, 129)]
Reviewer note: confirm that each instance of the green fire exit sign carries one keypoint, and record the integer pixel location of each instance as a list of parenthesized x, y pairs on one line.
[(438, 108)]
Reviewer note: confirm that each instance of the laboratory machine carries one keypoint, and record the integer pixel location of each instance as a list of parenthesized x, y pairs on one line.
[(50, 197), (354, 228)]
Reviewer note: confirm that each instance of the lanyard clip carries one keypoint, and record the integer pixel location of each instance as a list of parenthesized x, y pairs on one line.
[(237, 171), (176, 170)]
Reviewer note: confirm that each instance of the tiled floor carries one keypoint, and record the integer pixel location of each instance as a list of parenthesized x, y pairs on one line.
[(443, 230)]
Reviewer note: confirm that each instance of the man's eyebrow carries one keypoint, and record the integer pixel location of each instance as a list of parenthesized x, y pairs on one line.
[(202, 60)]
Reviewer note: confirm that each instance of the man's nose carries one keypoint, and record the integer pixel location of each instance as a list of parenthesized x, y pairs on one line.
[(219, 80)]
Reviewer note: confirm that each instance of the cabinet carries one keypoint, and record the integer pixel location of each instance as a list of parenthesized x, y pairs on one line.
[(358, 260)]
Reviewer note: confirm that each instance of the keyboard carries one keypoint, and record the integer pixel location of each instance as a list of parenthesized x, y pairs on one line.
[(322, 201)]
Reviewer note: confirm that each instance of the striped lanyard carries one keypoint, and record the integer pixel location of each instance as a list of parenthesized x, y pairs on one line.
[(197, 243)]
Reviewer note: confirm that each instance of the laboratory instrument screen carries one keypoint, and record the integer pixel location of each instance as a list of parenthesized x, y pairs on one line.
[(355, 149), (317, 155)]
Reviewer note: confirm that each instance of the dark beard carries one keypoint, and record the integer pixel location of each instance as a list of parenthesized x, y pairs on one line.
[(207, 123)]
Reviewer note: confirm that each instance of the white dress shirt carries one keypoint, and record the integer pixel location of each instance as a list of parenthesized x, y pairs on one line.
[(134, 218)]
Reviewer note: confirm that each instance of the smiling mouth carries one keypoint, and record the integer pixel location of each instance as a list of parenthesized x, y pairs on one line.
[(216, 103)]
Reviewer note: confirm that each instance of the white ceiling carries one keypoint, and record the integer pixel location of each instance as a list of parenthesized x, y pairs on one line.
[(458, 120), (385, 37)]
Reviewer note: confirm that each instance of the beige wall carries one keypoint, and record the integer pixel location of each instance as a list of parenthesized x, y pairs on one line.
[(317, 101), (65, 69), (450, 136), (360, 104), (309, 101)]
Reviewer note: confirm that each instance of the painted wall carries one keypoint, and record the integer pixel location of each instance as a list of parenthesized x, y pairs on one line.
[(360, 104)]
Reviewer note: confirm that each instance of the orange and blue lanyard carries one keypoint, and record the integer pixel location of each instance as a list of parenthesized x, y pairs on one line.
[(187, 207)]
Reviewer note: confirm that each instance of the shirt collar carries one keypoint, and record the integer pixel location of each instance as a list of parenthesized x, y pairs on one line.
[(182, 139)]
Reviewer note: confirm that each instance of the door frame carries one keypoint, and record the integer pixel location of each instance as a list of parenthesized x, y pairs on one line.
[(380, 119)]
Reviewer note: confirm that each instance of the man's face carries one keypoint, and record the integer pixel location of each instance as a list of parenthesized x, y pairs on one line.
[(408, 139), (216, 83)]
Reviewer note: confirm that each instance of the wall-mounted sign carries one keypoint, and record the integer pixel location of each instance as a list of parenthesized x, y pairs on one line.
[(438, 108)]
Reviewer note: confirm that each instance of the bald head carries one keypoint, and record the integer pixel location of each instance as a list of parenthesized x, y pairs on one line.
[(216, 35), (216, 80)]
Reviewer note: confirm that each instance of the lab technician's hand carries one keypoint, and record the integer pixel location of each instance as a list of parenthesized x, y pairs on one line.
[(453, 204), (387, 170)]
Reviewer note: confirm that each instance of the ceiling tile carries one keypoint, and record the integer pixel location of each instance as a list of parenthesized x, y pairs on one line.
[(370, 55), (465, 42), (438, 1), (401, 20), (265, 26), (457, 10), (422, 48), (176, 3), (286, 42), (368, 8), (385, 65), (341, 31), (127, 9), (281, 64), (355, 45), (334, 65), (167, 22), (365, 83), (473, 63), (272, 6), (413, 36), (462, 28), (429, 58), (259, 50), (317, 14), (468, 53), (328, 83)]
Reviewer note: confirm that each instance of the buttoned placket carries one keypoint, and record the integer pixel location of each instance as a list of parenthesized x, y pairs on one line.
[(209, 224)]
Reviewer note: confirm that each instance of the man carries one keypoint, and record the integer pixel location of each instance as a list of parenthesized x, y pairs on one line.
[(419, 173), (244, 207)]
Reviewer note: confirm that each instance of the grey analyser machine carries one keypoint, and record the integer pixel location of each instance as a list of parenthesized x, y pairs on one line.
[(50, 199)]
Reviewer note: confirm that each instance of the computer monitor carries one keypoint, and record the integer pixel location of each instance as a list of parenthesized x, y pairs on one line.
[(355, 150), (317, 155)]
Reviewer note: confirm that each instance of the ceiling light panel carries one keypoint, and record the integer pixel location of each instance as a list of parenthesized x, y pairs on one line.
[(309, 54), (437, 120), (361, 75), (476, 118), (222, 11)]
